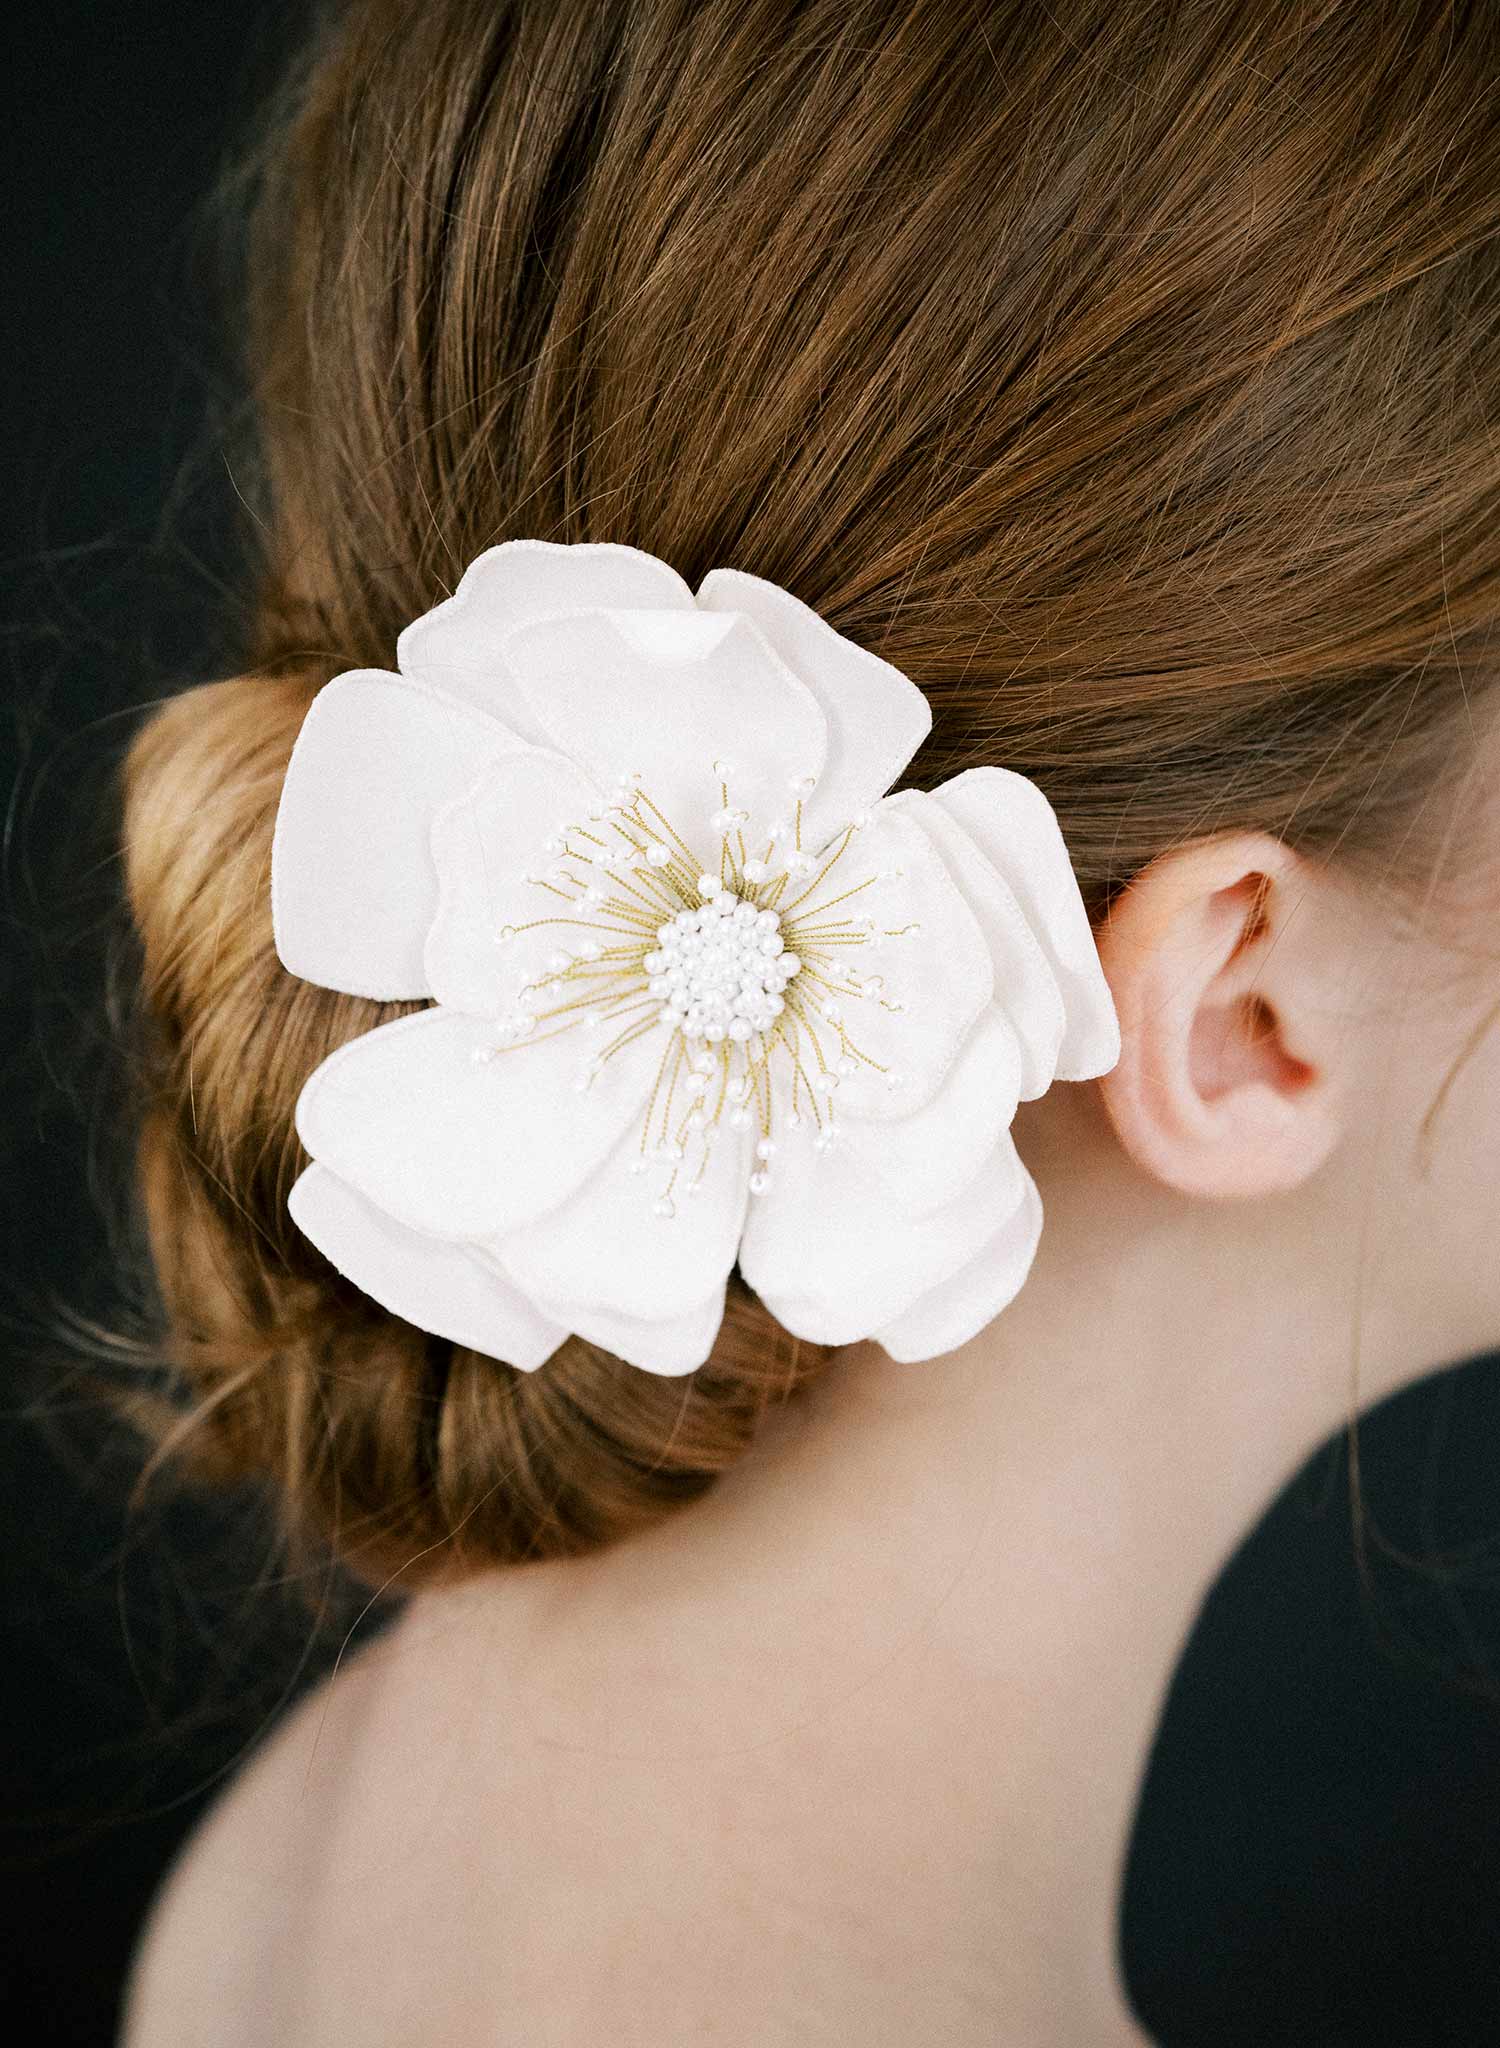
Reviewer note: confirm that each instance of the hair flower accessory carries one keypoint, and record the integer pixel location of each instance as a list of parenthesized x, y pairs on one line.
[(701, 991)]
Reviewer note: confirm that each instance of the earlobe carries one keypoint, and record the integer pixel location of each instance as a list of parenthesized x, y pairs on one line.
[(1214, 1093)]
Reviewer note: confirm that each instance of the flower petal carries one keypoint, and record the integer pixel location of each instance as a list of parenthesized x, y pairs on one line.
[(834, 1258), (459, 1149), (432, 1284), (877, 717), (937, 969), (925, 1159), (1009, 818), (484, 845), (456, 647), (959, 1307), (671, 1346), (353, 887), (606, 1248), (667, 694), (1025, 986)]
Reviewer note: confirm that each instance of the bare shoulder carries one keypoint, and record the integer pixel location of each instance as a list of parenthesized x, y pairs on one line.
[(573, 1807), (231, 1903)]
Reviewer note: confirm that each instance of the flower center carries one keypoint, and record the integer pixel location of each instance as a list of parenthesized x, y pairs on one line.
[(719, 971), (738, 972)]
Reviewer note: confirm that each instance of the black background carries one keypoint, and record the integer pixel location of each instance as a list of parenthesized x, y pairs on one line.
[(1317, 1857)]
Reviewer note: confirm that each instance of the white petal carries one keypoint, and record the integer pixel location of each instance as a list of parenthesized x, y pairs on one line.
[(426, 1281), (959, 1307), (671, 1347), (834, 1258), (924, 1159), (1025, 985), (938, 972), (877, 717), (353, 887), (484, 845), (666, 694), (459, 1149), (456, 646), (607, 1249), (1010, 818)]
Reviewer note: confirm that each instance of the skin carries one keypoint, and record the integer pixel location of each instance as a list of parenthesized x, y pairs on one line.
[(850, 1750)]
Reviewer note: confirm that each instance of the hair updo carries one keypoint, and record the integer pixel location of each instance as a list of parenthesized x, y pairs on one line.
[(1132, 388)]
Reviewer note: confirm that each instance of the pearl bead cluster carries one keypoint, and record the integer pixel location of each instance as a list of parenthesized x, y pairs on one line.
[(719, 971)]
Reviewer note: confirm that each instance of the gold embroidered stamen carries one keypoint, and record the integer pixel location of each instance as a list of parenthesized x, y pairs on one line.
[(724, 962)]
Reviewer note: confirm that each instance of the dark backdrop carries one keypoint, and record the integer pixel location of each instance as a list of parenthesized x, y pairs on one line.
[(1317, 1858)]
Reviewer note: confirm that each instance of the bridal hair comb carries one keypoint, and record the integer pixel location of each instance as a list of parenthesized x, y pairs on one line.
[(701, 992)]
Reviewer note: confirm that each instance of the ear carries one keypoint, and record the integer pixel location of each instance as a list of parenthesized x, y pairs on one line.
[(1229, 1080)]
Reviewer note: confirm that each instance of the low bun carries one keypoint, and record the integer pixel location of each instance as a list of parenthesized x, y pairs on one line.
[(407, 1454)]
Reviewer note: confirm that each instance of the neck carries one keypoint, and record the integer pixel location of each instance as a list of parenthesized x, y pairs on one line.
[(977, 1575)]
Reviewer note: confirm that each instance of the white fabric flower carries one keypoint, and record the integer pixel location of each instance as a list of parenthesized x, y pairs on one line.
[(701, 991)]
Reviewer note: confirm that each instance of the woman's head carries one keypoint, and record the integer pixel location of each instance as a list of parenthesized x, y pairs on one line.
[(1126, 378)]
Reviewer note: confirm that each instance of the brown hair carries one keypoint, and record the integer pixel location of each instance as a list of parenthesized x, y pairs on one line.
[(1125, 374)]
